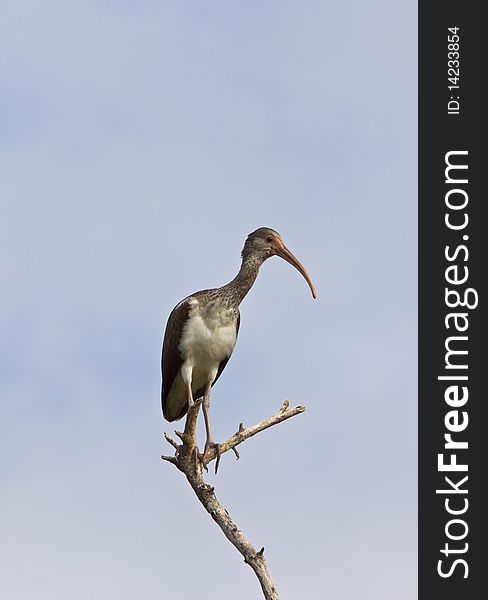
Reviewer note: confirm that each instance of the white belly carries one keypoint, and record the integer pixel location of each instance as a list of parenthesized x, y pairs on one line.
[(205, 343)]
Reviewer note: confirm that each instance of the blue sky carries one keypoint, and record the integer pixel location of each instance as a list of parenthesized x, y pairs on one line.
[(140, 143)]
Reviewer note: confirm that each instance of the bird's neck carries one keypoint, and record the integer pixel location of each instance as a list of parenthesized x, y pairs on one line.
[(243, 281)]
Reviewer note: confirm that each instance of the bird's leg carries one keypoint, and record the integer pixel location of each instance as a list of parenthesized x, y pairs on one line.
[(191, 402), (209, 443)]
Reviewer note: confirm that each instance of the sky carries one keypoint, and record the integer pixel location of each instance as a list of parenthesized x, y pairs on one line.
[(140, 142)]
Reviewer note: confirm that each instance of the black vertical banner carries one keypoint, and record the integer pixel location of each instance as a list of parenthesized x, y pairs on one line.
[(453, 252)]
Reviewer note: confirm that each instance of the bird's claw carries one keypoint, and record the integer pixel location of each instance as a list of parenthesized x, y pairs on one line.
[(205, 457)]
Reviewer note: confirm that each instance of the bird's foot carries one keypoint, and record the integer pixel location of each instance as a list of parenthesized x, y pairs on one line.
[(205, 457)]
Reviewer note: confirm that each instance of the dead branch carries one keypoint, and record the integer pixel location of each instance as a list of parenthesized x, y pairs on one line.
[(186, 460)]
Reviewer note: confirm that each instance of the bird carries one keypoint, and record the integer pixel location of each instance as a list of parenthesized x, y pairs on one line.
[(202, 330)]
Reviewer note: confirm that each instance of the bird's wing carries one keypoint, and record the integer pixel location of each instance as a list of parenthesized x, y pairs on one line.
[(171, 360), (226, 360)]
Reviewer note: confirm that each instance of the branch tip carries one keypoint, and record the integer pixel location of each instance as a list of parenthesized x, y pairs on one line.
[(284, 406), (170, 441), (180, 435), (170, 459)]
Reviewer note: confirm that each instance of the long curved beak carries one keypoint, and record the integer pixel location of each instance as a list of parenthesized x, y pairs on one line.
[(281, 250)]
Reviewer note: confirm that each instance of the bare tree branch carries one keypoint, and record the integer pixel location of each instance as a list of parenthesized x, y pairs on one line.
[(186, 459)]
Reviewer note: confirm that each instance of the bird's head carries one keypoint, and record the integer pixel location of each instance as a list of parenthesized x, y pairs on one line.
[(264, 243)]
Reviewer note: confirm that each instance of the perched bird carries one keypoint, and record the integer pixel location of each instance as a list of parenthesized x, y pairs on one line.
[(202, 329)]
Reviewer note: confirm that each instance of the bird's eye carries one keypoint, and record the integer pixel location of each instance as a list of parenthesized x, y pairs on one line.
[(269, 239)]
